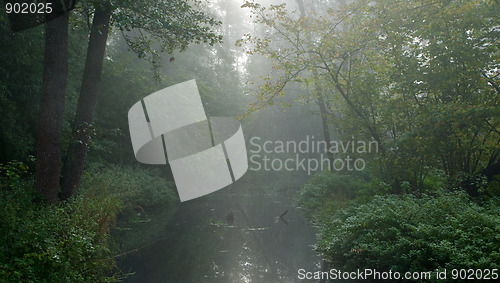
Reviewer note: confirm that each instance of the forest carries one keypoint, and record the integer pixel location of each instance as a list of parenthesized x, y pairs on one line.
[(372, 132)]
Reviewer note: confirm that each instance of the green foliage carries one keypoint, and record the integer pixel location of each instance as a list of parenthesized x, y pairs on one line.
[(425, 85), (327, 192), (435, 181), (473, 184), (126, 79), (405, 233), (64, 243), (493, 188), (21, 68), (69, 242), (20, 81), (131, 186), (13, 171), (362, 225), (174, 24)]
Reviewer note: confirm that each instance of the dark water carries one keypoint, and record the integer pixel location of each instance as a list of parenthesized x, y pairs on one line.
[(198, 245)]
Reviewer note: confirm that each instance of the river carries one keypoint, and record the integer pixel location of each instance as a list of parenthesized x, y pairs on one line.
[(268, 241)]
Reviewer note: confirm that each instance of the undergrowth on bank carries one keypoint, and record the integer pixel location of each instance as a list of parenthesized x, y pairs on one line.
[(445, 226), (69, 242)]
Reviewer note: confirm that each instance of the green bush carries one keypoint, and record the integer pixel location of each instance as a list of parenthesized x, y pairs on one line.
[(145, 201), (405, 233), (326, 192), (131, 186), (68, 242), (493, 188), (64, 243)]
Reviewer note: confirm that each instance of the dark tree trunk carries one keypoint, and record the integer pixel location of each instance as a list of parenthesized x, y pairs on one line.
[(82, 129), (50, 120)]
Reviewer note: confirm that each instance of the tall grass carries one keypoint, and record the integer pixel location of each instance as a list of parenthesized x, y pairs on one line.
[(69, 242)]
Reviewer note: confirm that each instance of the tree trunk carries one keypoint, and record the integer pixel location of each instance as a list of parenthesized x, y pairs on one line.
[(324, 120), (50, 120), (320, 101), (87, 102)]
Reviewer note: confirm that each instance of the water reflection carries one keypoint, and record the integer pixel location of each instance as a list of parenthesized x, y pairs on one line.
[(260, 243)]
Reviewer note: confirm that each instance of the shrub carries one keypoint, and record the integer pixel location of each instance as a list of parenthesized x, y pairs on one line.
[(64, 243), (131, 186), (326, 192), (68, 242), (405, 233)]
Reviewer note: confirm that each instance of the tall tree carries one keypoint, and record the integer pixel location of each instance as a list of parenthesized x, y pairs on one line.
[(145, 25), (48, 162), (87, 102), (320, 99), (423, 86)]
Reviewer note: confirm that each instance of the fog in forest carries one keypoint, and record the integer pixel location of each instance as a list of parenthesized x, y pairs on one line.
[(371, 131)]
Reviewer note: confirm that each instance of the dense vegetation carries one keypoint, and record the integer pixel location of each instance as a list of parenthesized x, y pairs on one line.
[(70, 240), (368, 226), (418, 78)]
